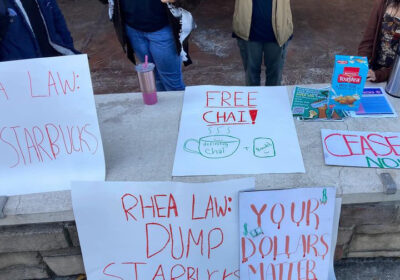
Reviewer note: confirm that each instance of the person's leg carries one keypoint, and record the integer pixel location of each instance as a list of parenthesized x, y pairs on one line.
[(274, 59), (251, 53), (140, 45), (168, 61)]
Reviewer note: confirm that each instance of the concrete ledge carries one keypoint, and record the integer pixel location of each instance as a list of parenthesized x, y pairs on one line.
[(119, 114), (38, 208)]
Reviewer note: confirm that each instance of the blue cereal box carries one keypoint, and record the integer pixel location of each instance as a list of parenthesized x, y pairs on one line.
[(348, 80)]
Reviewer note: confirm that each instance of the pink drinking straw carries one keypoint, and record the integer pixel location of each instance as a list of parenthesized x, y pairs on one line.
[(146, 61)]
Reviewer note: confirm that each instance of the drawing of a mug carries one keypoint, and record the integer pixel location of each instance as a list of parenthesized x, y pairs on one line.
[(213, 146), (263, 147)]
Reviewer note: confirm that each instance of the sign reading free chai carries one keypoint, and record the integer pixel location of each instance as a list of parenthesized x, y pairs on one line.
[(361, 148), (223, 126), (49, 132)]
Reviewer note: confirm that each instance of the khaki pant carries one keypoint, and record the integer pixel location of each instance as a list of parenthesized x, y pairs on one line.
[(252, 54)]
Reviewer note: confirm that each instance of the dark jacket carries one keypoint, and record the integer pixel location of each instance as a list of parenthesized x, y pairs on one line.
[(17, 40), (371, 40), (119, 24)]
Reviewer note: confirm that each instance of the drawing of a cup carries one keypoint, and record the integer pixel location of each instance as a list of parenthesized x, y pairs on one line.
[(263, 147), (213, 146)]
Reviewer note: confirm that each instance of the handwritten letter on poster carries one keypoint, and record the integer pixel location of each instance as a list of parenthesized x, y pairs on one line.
[(236, 130), (286, 234), (49, 133), (159, 231), (361, 148)]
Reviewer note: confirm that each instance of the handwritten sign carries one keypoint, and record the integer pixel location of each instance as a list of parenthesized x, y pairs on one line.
[(236, 130), (159, 231), (49, 133), (360, 148), (286, 234)]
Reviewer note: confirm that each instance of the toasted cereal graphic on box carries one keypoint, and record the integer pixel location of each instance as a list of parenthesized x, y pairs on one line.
[(348, 80)]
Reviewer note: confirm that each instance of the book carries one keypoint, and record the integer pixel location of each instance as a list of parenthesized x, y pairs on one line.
[(312, 104)]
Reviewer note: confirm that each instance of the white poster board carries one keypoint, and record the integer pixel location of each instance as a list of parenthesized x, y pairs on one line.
[(287, 234), (361, 148), (49, 132), (236, 130), (159, 230)]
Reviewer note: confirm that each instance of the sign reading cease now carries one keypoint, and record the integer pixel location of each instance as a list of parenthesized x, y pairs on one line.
[(49, 133), (360, 148)]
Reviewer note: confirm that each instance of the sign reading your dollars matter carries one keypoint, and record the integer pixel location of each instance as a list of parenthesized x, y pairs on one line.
[(286, 234), (236, 130)]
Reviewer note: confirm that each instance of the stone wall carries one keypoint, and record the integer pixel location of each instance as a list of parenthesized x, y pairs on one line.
[(369, 230), (41, 251)]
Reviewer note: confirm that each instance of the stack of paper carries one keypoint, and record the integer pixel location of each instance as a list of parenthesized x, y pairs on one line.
[(374, 104)]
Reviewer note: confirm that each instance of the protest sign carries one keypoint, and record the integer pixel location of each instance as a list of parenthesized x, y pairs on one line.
[(361, 148), (222, 127), (159, 230), (287, 234), (49, 132)]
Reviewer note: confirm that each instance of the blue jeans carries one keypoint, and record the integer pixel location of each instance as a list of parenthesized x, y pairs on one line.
[(160, 48), (252, 54)]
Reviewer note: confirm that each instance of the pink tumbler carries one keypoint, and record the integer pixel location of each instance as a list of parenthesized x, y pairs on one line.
[(147, 82)]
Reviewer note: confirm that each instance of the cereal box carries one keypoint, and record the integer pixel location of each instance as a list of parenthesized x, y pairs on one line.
[(348, 80)]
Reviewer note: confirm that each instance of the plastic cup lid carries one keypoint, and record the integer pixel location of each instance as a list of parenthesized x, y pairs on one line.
[(142, 67)]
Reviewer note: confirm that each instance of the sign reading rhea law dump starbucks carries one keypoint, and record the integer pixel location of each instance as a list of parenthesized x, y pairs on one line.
[(49, 133), (361, 148), (236, 130), (159, 230), (287, 234)]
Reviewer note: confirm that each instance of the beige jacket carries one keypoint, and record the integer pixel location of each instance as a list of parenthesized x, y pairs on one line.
[(281, 19)]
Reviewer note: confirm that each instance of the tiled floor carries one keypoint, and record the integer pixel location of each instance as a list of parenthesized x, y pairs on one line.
[(323, 28)]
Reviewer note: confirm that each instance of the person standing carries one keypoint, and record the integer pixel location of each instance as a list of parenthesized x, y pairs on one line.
[(262, 29), (33, 29), (149, 28), (381, 39)]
